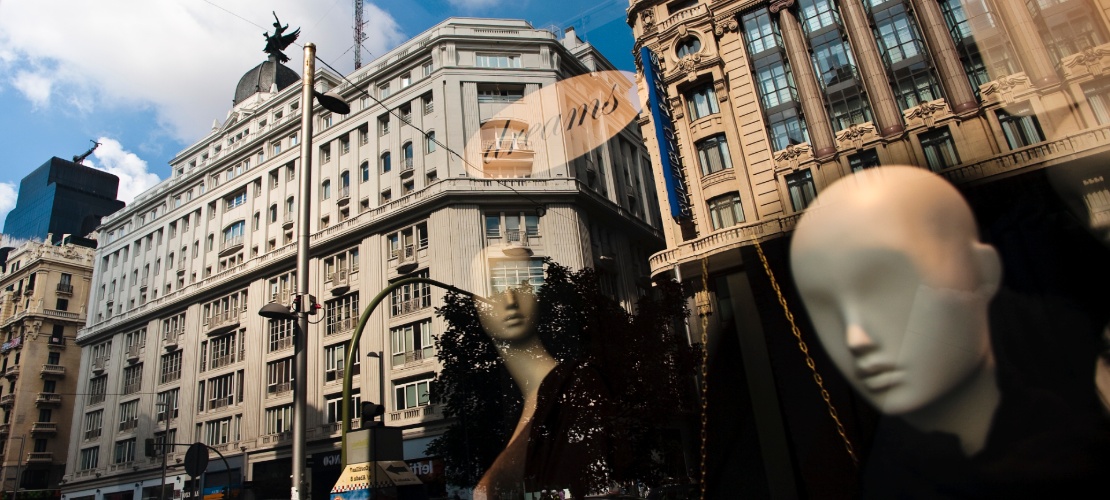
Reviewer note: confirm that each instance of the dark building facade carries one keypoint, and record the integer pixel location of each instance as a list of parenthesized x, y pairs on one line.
[(62, 197)]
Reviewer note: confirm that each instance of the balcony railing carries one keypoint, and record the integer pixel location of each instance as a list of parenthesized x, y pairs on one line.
[(221, 361), (96, 398), (420, 411), (411, 305), (341, 326), (7, 400), (277, 389), (505, 146), (48, 399), (53, 371), (128, 424), (344, 192), (12, 372), (132, 388), (231, 244), (133, 352), (47, 427), (92, 434), (223, 319), (223, 402), (65, 289), (40, 457), (5, 428), (170, 376)]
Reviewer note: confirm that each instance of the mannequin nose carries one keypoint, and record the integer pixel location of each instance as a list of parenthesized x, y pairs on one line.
[(857, 338), (510, 299)]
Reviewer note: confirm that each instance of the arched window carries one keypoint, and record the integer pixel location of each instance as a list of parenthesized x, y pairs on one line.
[(687, 46), (325, 189), (289, 207), (385, 162), (406, 150), (273, 212), (364, 170)]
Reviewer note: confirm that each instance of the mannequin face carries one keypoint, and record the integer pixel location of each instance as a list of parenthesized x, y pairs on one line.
[(890, 270), (899, 341), (513, 317)]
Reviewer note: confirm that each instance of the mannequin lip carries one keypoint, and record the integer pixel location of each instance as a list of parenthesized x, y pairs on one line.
[(878, 376)]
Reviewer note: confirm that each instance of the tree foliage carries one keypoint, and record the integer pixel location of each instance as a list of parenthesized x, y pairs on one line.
[(643, 359)]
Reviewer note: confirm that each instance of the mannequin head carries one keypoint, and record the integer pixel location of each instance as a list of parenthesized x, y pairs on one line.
[(889, 267), (512, 319)]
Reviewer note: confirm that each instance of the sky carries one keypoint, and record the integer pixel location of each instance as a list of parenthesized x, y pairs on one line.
[(146, 79)]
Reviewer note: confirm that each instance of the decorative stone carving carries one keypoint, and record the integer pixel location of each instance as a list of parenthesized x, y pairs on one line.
[(725, 25), (689, 63), (676, 108), (1004, 87), (855, 135), (778, 5), (719, 87), (926, 113), (1090, 59), (647, 18), (789, 158)]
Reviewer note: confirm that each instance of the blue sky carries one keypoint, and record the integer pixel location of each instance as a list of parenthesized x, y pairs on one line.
[(147, 79)]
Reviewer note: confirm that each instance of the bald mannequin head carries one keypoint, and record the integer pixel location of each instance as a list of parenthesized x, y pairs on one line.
[(890, 269)]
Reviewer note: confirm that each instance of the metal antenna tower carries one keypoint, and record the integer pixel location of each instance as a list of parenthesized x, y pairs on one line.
[(359, 35)]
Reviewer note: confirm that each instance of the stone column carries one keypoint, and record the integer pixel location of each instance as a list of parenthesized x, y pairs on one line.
[(961, 97), (1027, 43), (813, 104), (874, 76)]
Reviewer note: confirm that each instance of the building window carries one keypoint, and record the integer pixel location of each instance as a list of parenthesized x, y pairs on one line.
[(364, 171), (235, 200), (907, 62), (939, 148), (344, 145), (132, 378), (383, 125), (125, 451), (334, 362), (497, 60), (279, 420), (429, 103), (1098, 96), (167, 404), (406, 160), (171, 367), (687, 47), (383, 91), (325, 189), (865, 159), (802, 189), (713, 154), (384, 161), (778, 95), (412, 342), (514, 227), (98, 387), (233, 234), (430, 142), (1021, 128), (411, 297), (340, 315), (218, 432), (335, 407), (94, 422), (128, 415), (281, 334), (725, 211), (506, 274), (702, 102), (412, 395), (325, 153), (279, 376), (426, 69), (406, 80), (1067, 27), (89, 458)]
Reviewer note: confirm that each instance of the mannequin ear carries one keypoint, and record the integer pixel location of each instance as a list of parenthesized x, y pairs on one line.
[(990, 267)]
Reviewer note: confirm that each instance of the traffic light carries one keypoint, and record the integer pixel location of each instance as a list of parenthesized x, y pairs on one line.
[(149, 451), (370, 412)]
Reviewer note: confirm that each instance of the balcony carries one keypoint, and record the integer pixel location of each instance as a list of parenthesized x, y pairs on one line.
[(5, 429), (289, 218), (340, 326), (169, 377), (144, 283), (406, 168), (129, 424), (132, 388), (223, 322), (407, 261), (517, 243), (47, 428), (12, 372), (133, 352), (53, 372), (56, 342), (7, 400), (99, 364), (65, 289), (48, 399), (40, 457), (92, 434), (414, 413), (279, 389), (230, 245), (170, 339), (344, 195), (411, 306)]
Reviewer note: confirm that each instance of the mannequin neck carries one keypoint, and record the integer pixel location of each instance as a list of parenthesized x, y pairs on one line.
[(967, 411), (528, 363)]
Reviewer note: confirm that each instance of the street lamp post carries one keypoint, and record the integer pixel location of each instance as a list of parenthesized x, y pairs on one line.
[(304, 215), (348, 364)]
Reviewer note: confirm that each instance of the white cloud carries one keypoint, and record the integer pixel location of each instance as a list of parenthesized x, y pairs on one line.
[(34, 86), (131, 170), (181, 57), (7, 201)]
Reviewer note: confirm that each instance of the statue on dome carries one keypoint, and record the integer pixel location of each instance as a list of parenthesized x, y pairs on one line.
[(277, 42)]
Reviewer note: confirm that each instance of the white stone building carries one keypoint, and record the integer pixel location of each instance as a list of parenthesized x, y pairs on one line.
[(183, 271)]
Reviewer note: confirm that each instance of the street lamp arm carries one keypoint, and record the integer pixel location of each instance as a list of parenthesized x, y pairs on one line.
[(348, 363)]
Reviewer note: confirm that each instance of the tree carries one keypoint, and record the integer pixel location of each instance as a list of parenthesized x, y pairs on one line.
[(643, 360)]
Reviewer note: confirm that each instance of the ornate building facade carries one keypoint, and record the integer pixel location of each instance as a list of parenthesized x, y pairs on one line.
[(175, 349), (43, 295), (757, 105)]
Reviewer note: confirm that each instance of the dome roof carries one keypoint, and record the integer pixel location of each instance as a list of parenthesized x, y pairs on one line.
[(261, 77)]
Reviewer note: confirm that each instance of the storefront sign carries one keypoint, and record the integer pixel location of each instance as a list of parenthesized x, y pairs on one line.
[(669, 159)]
